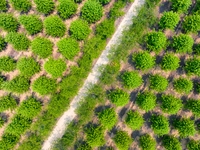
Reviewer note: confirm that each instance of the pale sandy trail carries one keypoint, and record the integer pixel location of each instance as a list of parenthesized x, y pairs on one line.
[(92, 78)]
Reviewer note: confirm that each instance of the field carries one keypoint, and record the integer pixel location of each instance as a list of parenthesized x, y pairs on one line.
[(47, 49), (148, 96)]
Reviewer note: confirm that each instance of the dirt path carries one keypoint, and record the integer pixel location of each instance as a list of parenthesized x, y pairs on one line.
[(92, 78)]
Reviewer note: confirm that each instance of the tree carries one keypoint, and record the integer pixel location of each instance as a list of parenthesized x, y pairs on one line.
[(159, 124), (18, 40), (122, 140), (158, 83), (197, 49), (183, 43), (180, 6), (66, 8), (31, 23), (108, 118), (131, 79), (193, 145), (192, 66), (134, 120), (155, 41), (119, 97), (55, 67), (170, 104), (191, 23), (79, 29), (44, 6), (7, 102), (183, 85), (3, 5), (92, 11), (8, 141), (2, 43), (197, 87), (185, 126), (21, 5), (28, 66), (147, 142), (54, 26), (104, 2), (7, 64), (194, 106), (143, 60), (169, 142), (44, 85), (170, 62), (69, 47), (169, 20), (42, 47), (8, 22), (84, 146), (146, 101)]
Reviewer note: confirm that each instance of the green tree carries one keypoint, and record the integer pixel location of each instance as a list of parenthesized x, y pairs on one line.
[(170, 104), (192, 66), (44, 6), (66, 8), (42, 47), (193, 145), (170, 62), (8, 22), (55, 67), (79, 29), (2, 43), (131, 79), (191, 23), (3, 5), (143, 60), (104, 2), (21, 5), (146, 101), (183, 43), (54, 26), (7, 102), (134, 120), (180, 6), (92, 11), (28, 66), (84, 146), (119, 97), (197, 87), (155, 41), (194, 106), (169, 20), (197, 49), (158, 83), (183, 85), (169, 142), (7, 64), (122, 140), (147, 142), (8, 141)]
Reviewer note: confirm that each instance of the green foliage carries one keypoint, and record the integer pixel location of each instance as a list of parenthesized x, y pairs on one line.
[(55, 67), (1, 122), (116, 10), (29, 108), (183, 43), (8, 141), (158, 83), (2, 80), (7, 64), (197, 87), (170, 104), (18, 40), (2, 43), (84, 146), (191, 23), (92, 11), (8, 22), (44, 85), (105, 29), (171, 143), (134, 120), (155, 41), (54, 26), (31, 23), (104, 2), (108, 118), (44, 6), (79, 29), (169, 20), (193, 145), (146, 101), (143, 60), (147, 142), (28, 66), (170, 62), (192, 66), (18, 125), (42, 47), (131, 79), (95, 136), (122, 140), (185, 126), (19, 85), (66, 8), (3, 5), (68, 47), (159, 124), (197, 49), (7, 102), (119, 97), (194, 106), (21, 5), (183, 85), (180, 6)]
